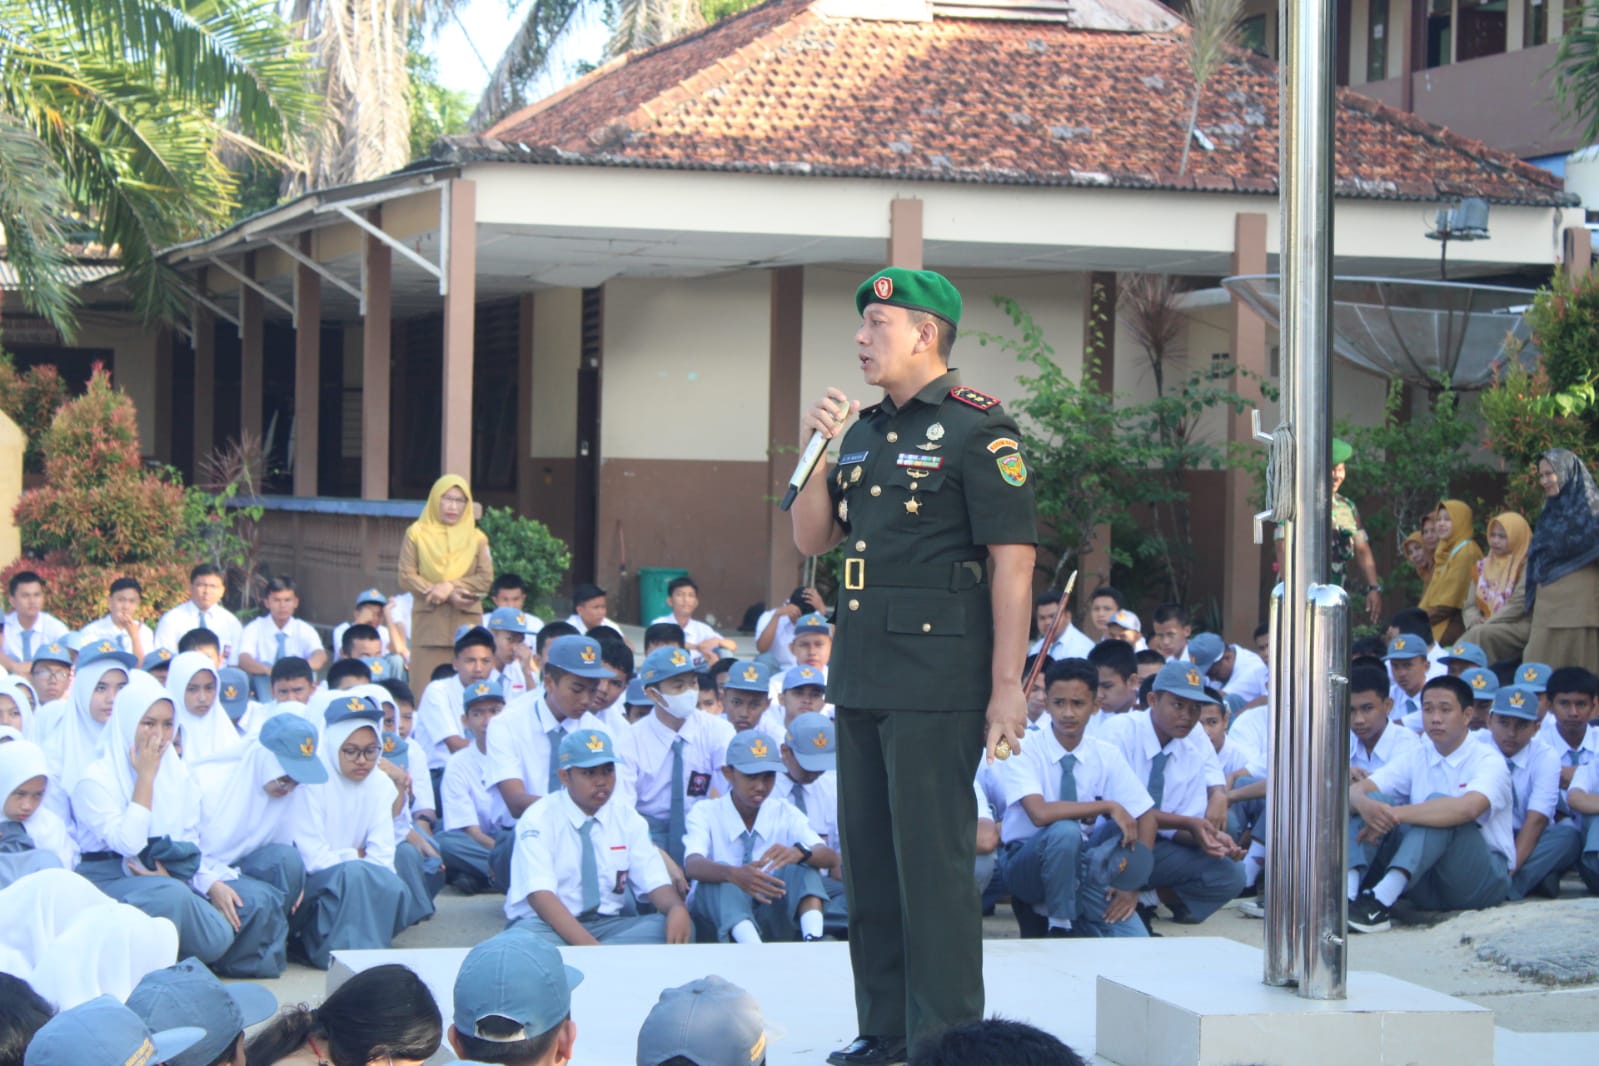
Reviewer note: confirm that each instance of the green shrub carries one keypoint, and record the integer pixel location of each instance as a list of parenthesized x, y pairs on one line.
[(31, 400), (527, 548)]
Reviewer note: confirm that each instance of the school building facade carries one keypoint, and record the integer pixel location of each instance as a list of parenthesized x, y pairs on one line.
[(610, 308)]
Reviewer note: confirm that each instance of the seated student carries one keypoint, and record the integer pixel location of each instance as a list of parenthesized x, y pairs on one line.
[(28, 626), (774, 629), (509, 590), (710, 695), (103, 1032), (703, 1023), (1173, 627), (813, 641), (202, 610), (672, 755), (204, 641), (1573, 695), (606, 703), (278, 634), (156, 664), (1412, 622), (187, 994), (1434, 825), (683, 597), (1408, 665), (205, 731), (1231, 668), (1534, 676), (1375, 740), (513, 671), (1245, 771), (384, 1014), (567, 887), (121, 625), (359, 641), (1061, 781), (399, 717), (1544, 849), (803, 690), (416, 857), (1262, 642), (438, 715), (525, 1022), (32, 837), (292, 680), (663, 635), (137, 813), (476, 820), (51, 672), (1149, 663), (1070, 643), (718, 671), (1102, 607), (994, 1042), (542, 639), (755, 860), (1368, 651), (747, 696), (1117, 692), (1036, 694), (810, 782), (346, 674), (1582, 797), (588, 609), (1197, 866), (370, 607), (635, 704), (1461, 656), (1484, 685), (17, 700)]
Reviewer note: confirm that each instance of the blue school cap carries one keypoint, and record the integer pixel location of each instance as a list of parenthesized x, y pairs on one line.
[(814, 742), (1182, 679), (1467, 652), (576, 655), (710, 1022), (1534, 676), (54, 652), (752, 753), (509, 620), (634, 696), (1516, 701), (663, 663), (1204, 649), (294, 741), (815, 622), (371, 596), (1483, 683), (395, 749), (188, 993), (516, 976), (374, 666), (97, 650), (1406, 646), (584, 748), (478, 691), (750, 677), (156, 660), (1125, 867), (102, 1032), (800, 676), (233, 689), (1234, 702), (344, 707)]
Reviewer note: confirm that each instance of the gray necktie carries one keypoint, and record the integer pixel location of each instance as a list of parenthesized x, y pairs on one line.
[(27, 645), (283, 644), (797, 797), (748, 837), (1068, 780), (1511, 764), (204, 626), (675, 826), (555, 735), (591, 867), (1573, 757), (1157, 777), (122, 641)]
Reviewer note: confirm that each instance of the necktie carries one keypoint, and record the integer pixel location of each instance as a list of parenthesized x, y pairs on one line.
[(1157, 777), (1574, 757), (1511, 765), (204, 626), (27, 645), (674, 819), (556, 735), (122, 641), (283, 644), (14, 838), (748, 837), (797, 797), (1068, 780), (591, 867)]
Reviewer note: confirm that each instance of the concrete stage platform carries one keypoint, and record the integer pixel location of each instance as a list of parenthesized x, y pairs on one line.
[(804, 991)]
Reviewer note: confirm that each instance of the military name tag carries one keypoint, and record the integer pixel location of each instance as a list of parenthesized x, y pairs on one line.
[(853, 457), (920, 462)]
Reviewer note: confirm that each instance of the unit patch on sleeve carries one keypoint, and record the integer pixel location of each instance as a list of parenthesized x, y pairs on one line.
[(1013, 469)]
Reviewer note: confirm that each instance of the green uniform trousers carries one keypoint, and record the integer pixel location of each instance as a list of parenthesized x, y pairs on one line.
[(909, 835)]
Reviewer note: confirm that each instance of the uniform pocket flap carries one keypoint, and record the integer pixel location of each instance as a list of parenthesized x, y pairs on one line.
[(933, 613)]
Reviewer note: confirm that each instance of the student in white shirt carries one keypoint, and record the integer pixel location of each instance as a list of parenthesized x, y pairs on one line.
[(509, 590), (1231, 668), (28, 627), (683, 596), (1407, 662), (1173, 627), (802, 690), (1071, 643), (810, 782), (577, 853), (1573, 695), (606, 703), (476, 822), (747, 696), (438, 713), (513, 655), (1545, 849), (588, 609), (1583, 797), (774, 630), (1449, 803), (278, 634), (369, 610), (121, 625), (202, 610), (755, 860), (1375, 740)]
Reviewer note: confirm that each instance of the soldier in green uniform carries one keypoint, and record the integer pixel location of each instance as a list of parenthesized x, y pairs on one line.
[(930, 496)]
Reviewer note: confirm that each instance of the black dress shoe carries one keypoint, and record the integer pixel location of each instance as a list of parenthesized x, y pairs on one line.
[(870, 1051)]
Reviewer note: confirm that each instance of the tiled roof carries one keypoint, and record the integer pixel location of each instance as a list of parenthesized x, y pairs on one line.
[(787, 88)]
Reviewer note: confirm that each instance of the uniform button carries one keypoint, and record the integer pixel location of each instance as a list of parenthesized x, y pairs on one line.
[(860, 545), (927, 627), (877, 490), (893, 437), (854, 605)]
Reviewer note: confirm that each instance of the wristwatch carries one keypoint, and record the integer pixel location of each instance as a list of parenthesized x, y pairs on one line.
[(805, 853)]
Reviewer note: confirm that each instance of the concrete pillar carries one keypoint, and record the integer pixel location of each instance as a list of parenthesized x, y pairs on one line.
[(524, 405), (783, 405), (1244, 604), (12, 444), (1099, 342), (904, 233), (251, 356), (460, 313), (205, 380), (307, 372), (375, 367), (1576, 246)]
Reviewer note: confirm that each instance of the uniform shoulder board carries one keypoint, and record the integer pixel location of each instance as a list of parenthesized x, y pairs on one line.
[(972, 398)]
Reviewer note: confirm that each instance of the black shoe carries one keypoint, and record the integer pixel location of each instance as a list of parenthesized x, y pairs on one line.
[(1366, 915), (1181, 914), (870, 1051), (1146, 914), (1058, 933)]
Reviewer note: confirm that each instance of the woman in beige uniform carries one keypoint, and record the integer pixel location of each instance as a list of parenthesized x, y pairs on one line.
[(445, 564)]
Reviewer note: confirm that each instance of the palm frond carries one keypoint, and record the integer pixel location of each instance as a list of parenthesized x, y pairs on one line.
[(32, 199), (524, 58)]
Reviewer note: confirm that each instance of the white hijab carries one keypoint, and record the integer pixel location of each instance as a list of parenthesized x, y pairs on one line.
[(170, 814), (205, 736), (24, 697), (237, 816), (21, 761), (74, 743), (353, 812)]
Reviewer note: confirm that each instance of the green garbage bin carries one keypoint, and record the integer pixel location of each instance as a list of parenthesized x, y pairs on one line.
[(652, 582)]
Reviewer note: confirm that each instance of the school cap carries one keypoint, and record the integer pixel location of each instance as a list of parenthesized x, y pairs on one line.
[(711, 1022), (1234, 702), (293, 740), (156, 660), (374, 666), (1406, 646), (800, 676), (814, 742), (1182, 679), (583, 748), (478, 691), (462, 630), (1467, 652), (634, 696), (395, 749), (53, 652), (1127, 620), (97, 650), (663, 663), (576, 655), (516, 976), (1534, 676), (1342, 451), (752, 753), (233, 689), (1204, 649), (190, 993), (916, 290), (102, 1032), (1516, 701), (509, 620), (750, 677), (1122, 867), (371, 596), (815, 622), (344, 707), (1483, 682)]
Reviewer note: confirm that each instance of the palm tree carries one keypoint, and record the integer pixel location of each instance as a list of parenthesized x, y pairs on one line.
[(1576, 70), (117, 112)]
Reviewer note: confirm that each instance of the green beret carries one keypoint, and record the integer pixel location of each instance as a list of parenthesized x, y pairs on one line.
[(1341, 451), (918, 290)]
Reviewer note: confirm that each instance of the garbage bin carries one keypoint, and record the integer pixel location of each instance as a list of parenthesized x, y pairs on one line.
[(652, 582)]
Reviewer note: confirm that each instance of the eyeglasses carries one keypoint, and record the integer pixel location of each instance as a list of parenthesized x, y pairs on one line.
[(361, 754), (45, 674)]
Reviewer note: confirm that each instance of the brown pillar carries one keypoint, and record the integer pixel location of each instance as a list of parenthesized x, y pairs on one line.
[(251, 358), (205, 380), (783, 403), (524, 405), (1577, 252), (1243, 563), (375, 367), (905, 233), (162, 414), (460, 310), (1099, 371), (307, 372)]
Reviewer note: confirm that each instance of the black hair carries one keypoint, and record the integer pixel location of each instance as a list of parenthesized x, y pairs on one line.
[(195, 639), (353, 633), (122, 584), (206, 570), (510, 1052), (618, 656), (399, 690), (442, 671), (1572, 679), (1262, 629), (23, 1013), (994, 1042), (348, 668), (1367, 662), (1367, 679), (1368, 646), (665, 633), (550, 632), (1112, 592), (281, 583), (946, 330), (1117, 655), (1462, 691), (582, 594), (684, 582), (383, 1012), (1148, 657), (1027, 664), (706, 680), (507, 581), (1044, 598), (476, 637), (291, 668), (1412, 621), (603, 633), (1145, 687), (722, 666), (1072, 670), (23, 577), (1171, 612)]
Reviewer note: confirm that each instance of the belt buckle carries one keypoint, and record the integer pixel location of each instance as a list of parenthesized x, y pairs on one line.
[(854, 575)]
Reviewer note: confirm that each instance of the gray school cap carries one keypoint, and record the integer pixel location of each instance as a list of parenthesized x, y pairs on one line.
[(371, 596), (585, 748), (478, 691), (814, 742), (1484, 683), (1183, 679), (711, 1022), (189, 994), (635, 696), (579, 656), (508, 620), (353, 707), (54, 652), (102, 1032), (1534, 676), (95, 650), (800, 676), (516, 976), (1406, 646), (159, 659), (1205, 649), (233, 689), (1125, 867), (1467, 652), (750, 677), (663, 663), (374, 666), (294, 741), (752, 753), (1516, 701)]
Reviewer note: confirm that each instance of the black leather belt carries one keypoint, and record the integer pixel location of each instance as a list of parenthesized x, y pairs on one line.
[(952, 577), (99, 856)]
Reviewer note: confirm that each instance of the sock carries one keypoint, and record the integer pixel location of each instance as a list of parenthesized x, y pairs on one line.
[(1251, 870), (1060, 923), (1391, 887), (810, 923), (746, 933), (1354, 882)]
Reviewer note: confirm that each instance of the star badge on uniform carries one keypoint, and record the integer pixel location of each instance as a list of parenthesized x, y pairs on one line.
[(913, 506)]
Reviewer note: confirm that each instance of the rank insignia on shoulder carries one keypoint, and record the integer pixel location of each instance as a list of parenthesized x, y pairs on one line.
[(972, 398), (1013, 469)]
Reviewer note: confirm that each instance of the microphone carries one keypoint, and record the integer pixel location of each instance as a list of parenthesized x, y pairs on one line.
[(802, 470)]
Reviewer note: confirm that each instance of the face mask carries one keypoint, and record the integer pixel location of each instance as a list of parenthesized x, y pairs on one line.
[(682, 704)]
